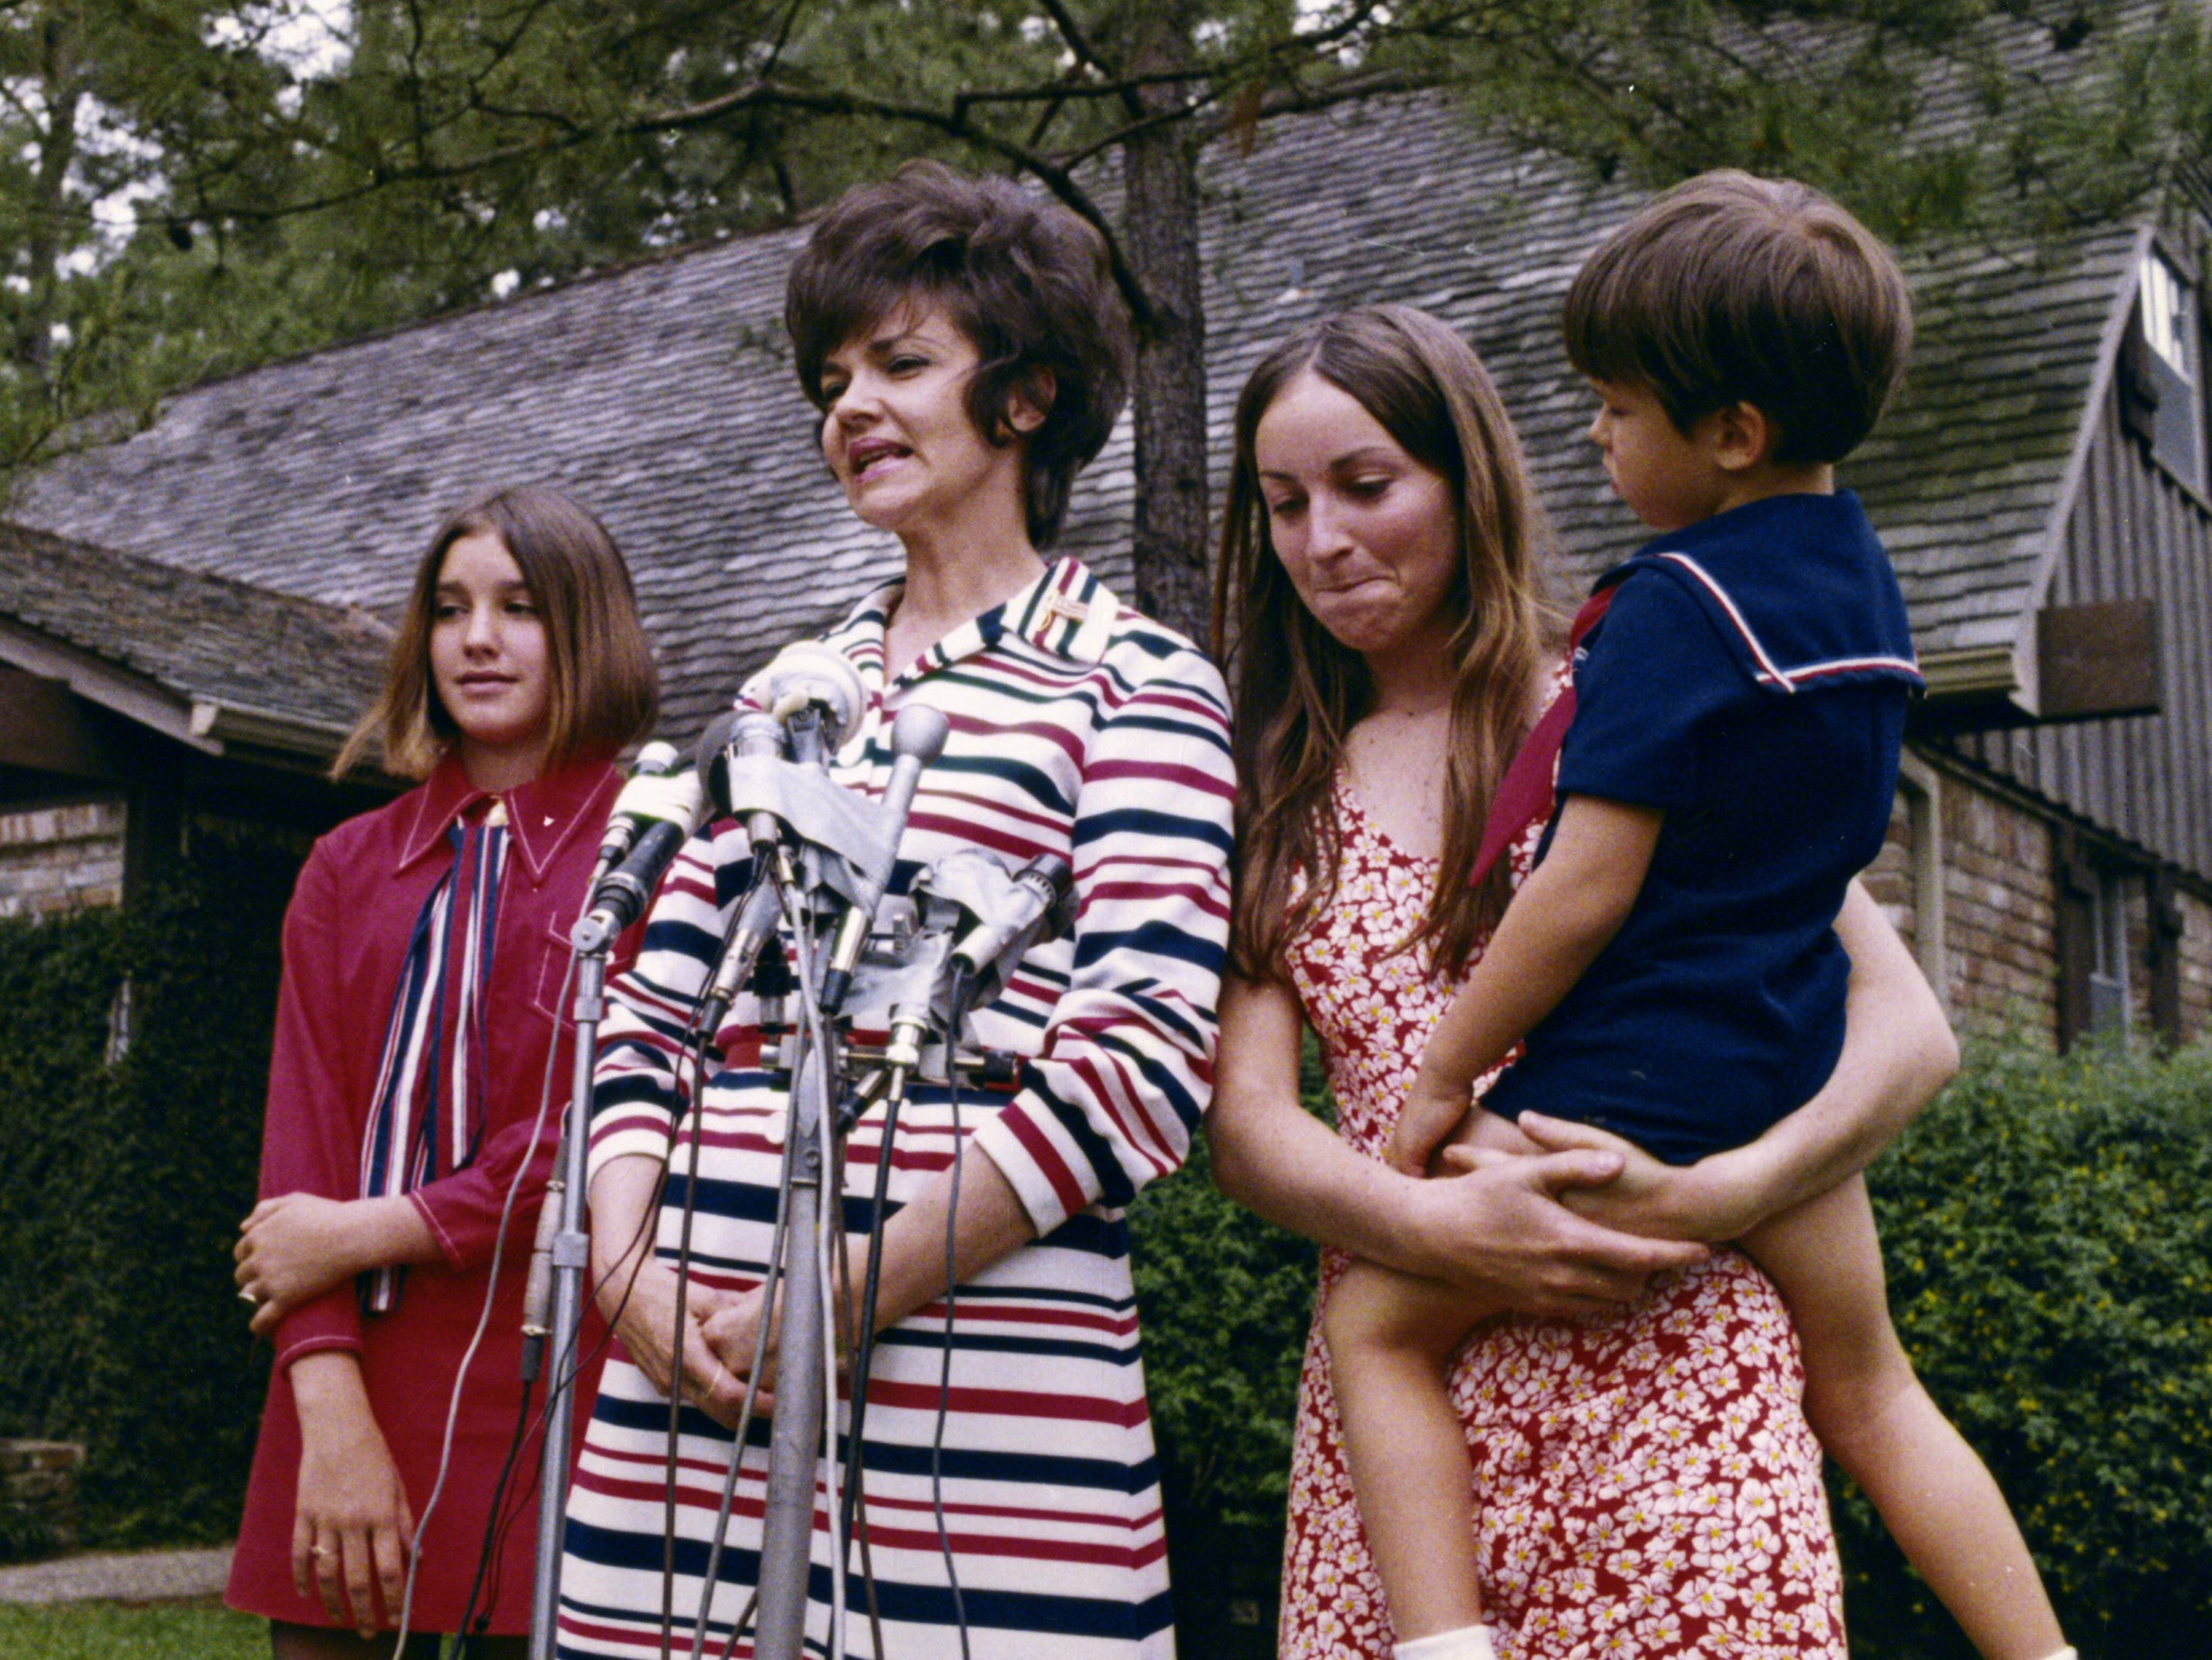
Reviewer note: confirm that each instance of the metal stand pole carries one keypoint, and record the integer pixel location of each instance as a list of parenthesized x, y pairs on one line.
[(795, 1430), (572, 1254)]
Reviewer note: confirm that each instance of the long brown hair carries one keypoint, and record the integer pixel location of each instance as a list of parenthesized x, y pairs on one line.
[(1298, 691), (603, 692)]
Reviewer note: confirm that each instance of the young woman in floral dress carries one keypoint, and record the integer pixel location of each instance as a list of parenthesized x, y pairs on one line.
[(1645, 1484)]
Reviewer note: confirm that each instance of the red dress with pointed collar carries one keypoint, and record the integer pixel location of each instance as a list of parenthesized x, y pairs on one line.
[(345, 940)]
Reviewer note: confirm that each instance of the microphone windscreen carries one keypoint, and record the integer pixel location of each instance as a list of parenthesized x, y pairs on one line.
[(919, 731), (712, 762), (809, 672), (656, 760)]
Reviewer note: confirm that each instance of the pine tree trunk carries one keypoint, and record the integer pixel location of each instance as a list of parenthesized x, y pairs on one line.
[(1160, 234), (34, 344)]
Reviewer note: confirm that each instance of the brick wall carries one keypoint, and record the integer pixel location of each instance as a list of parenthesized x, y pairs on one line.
[(2195, 968), (61, 858), (2002, 968), (1998, 969), (38, 1496), (2000, 964), (1890, 878)]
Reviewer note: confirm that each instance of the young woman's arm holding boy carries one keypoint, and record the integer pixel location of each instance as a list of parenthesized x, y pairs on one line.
[(1897, 1052)]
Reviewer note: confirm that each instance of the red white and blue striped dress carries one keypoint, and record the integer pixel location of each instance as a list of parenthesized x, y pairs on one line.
[(1078, 728)]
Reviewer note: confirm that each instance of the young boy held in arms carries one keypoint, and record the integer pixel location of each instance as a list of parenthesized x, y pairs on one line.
[(1671, 961)]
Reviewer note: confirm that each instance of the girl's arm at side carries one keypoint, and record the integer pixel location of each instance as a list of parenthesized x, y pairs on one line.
[(351, 1523), (1499, 1231), (1569, 907), (1897, 1052)]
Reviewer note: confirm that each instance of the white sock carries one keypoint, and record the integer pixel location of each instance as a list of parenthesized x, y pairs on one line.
[(2064, 1654), (1467, 1643)]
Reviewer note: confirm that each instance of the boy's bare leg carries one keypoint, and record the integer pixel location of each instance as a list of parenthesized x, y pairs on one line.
[(1866, 1404), (1389, 1337)]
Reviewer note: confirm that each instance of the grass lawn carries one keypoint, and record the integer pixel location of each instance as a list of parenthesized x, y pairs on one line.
[(124, 1631)]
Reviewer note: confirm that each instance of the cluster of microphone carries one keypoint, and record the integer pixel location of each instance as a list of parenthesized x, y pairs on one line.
[(767, 766)]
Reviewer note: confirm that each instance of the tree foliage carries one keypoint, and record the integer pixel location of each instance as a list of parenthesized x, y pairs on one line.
[(197, 186)]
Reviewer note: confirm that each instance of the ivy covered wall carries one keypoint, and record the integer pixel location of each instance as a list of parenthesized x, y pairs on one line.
[(134, 1053)]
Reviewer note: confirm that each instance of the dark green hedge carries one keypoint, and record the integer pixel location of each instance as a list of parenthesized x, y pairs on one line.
[(122, 1187), (1226, 1299), (2048, 1227)]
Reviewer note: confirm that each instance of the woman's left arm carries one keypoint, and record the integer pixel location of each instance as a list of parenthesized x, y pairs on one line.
[(1126, 1069), (301, 1244), (298, 1245), (1897, 1051)]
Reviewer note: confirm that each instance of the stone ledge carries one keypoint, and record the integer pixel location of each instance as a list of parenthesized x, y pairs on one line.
[(142, 1576)]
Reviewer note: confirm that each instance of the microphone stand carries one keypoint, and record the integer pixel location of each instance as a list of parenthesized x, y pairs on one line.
[(571, 1257), (795, 1429), (846, 849)]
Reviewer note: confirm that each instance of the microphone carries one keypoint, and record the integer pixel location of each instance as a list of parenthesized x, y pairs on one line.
[(756, 925), (538, 1284), (808, 674), (917, 739), (1036, 909), (657, 791), (748, 734), (624, 892)]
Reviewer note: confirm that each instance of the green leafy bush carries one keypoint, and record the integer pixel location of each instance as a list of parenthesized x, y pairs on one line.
[(56, 983), (2048, 1230), (1226, 1300), (123, 1184)]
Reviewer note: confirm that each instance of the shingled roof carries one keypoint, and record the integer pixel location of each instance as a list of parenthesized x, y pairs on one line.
[(205, 658), (661, 395)]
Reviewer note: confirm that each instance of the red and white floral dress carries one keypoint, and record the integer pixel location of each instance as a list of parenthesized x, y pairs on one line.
[(1645, 1487)]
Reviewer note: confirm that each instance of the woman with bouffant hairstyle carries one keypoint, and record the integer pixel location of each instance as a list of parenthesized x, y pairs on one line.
[(407, 1134), (1025, 280), (963, 341)]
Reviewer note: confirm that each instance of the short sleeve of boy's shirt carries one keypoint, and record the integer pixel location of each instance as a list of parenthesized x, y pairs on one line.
[(1654, 674)]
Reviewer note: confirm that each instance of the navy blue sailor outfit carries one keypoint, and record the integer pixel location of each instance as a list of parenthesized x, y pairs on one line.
[(1749, 678)]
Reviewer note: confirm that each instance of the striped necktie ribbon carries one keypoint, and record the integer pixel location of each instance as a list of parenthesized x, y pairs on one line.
[(426, 1119)]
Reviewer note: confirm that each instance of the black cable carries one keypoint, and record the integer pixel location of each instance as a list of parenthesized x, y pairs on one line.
[(483, 1324), (692, 1044), (865, 1350), (697, 1048), (855, 1498), (768, 1288), (494, 1534), (577, 1368)]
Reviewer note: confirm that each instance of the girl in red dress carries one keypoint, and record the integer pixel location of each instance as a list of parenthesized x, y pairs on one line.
[(410, 1126)]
